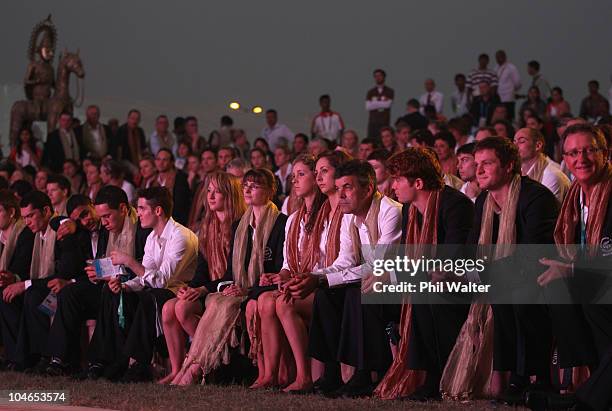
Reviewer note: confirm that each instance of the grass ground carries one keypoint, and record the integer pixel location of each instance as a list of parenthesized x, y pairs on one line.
[(132, 397)]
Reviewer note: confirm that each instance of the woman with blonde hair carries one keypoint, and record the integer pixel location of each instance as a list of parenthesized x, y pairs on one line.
[(224, 205), (255, 249)]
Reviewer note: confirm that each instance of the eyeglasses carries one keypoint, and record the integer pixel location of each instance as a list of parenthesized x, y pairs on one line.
[(589, 151), (251, 187)]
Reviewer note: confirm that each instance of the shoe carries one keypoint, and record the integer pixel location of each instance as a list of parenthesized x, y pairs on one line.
[(514, 395), (115, 371), (40, 368), (138, 373), (538, 395), (357, 387), (425, 393), (325, 386), (92, 372), (57, 368)]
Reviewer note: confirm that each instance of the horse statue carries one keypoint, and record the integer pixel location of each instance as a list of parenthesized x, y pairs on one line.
[(26, 111)]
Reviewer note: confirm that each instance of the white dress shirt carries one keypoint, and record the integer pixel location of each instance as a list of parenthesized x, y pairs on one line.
[(554, 179), (156, 144), (460, 102), (328, 125), (509, 82), (435, 98), (169, 259), (346, 269), (275, 133)]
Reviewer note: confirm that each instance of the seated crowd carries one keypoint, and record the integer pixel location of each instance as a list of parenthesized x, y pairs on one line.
[(249, 264)]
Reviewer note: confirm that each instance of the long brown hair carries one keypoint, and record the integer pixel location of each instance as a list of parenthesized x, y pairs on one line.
[(234, 207), (310, 162)]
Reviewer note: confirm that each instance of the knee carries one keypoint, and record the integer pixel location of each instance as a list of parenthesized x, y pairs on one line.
[(184, 311), (266, 305), (283, 308), (168, 312)]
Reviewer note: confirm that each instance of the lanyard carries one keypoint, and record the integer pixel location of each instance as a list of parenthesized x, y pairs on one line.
[(583, 238)]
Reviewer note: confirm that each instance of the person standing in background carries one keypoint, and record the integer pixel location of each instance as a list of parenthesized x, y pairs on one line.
[(509, 81), (378, 103)]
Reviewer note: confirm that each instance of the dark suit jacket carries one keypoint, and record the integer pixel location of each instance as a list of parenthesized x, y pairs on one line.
[(119, 147), (78, 132), (53, 153), (181, 194), (70, 257), (22, 256), (415, 120), (82, 241), (536, 217), (485, 108)]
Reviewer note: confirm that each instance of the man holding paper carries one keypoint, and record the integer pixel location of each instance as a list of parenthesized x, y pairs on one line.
[(109, 224), (129, 319)]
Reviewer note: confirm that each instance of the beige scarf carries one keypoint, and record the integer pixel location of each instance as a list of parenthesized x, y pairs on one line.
[(371, 223), (506, 237), (43, 255), (469, 367), (249, 278), (11, 243), (537, 169), (124, 241)]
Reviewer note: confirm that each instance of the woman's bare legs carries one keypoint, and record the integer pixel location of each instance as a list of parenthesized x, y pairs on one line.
[(295, 317), (251, 311), (175, 339), (271, 337), (186, 315)]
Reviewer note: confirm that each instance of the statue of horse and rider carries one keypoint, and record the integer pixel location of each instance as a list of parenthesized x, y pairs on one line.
[(47, 96)]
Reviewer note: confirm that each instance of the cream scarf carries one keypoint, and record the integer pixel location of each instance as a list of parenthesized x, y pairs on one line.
[(371, 223), (468, 370), (124, 241), (11, 243), (43, 255), (537, 169), (249, 278)]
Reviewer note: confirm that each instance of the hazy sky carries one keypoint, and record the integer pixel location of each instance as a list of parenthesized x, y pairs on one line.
[(197, 56)]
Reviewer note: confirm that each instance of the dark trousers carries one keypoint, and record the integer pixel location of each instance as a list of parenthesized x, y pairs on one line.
[(522, 339), (433, 333), (34, 327), (596, 390), (573, 337), (599, 318), (136, 339), (344, 330), (76, 303), (10, 319)]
